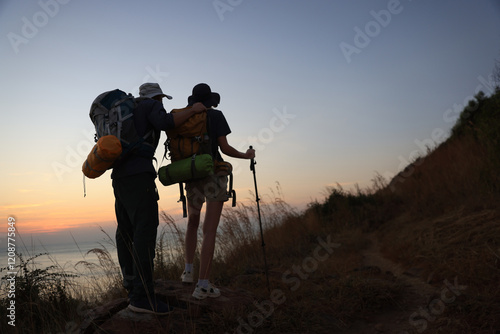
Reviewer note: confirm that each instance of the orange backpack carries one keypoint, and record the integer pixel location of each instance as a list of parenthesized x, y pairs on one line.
[(188, 139)]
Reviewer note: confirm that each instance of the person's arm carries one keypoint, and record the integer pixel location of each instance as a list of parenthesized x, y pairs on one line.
[(232, 152), (182, 116), (161, 120)]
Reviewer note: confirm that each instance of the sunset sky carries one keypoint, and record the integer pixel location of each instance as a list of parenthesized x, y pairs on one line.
[(326, 91)]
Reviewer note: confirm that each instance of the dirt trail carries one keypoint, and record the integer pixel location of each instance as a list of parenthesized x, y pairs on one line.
[(416, 295)]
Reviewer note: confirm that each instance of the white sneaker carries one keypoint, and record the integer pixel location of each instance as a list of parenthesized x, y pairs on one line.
[(187, 277), (202, 293)]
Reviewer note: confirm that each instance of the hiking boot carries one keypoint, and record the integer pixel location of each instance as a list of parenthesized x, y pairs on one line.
[(187, 277), (202, 293), (145, 306)]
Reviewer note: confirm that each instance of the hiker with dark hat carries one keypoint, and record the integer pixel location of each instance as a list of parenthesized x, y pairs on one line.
[(136, 200), (212, 189)]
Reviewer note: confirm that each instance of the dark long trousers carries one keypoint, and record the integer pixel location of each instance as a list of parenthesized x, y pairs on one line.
[(136, 207)]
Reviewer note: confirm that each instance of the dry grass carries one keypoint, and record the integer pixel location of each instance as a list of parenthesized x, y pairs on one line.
[(56, 299), (452, 174)]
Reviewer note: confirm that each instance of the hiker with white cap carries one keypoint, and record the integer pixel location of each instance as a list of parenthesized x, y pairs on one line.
[(136, 200)]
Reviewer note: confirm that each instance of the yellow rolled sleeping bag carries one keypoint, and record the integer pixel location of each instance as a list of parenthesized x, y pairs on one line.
[(103, 155)]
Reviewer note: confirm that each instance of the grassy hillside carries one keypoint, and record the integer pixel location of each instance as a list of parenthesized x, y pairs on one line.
[(450, 225), (438, 220)]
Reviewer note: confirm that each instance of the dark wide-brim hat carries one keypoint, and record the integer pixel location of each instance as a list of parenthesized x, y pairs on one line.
[(202, 93)]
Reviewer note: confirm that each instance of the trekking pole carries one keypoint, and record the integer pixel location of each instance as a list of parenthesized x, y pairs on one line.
[(257, 199)]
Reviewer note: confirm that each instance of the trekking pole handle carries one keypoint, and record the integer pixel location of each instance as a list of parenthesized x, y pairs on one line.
[(252, 161)]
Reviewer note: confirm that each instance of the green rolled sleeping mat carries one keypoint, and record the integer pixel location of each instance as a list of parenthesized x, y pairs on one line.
[(195, 167)]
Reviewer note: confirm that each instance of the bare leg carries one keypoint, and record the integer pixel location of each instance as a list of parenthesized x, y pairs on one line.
[(192, 232), (212, 217)]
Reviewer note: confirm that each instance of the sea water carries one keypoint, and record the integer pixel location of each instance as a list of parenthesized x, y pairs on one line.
[(77, 260)]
